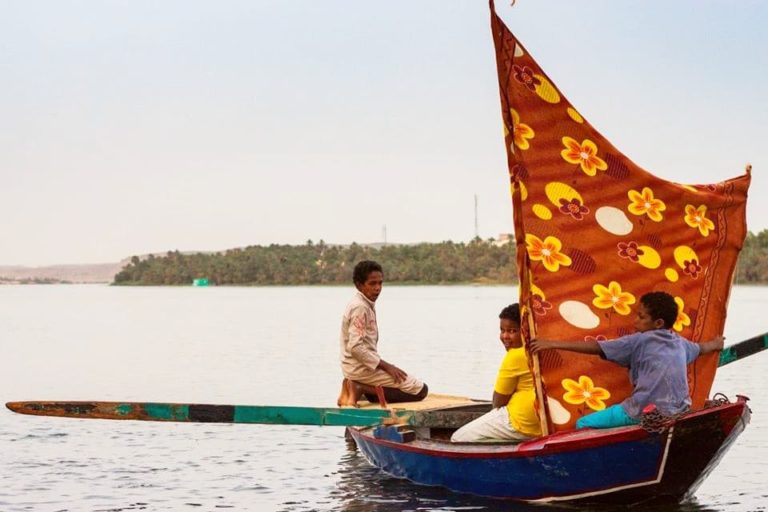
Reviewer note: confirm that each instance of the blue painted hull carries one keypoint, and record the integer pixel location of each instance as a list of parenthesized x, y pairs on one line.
[(625, 465)]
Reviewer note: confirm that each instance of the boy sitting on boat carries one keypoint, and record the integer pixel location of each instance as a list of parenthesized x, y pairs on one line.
[(364, 370), (657, 359), (513, 416)]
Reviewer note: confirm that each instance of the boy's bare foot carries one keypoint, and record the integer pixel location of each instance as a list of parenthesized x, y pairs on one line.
[(344, 394), (350, 395)]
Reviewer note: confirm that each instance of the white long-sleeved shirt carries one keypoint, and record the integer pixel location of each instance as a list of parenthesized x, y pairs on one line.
[(359, 338)]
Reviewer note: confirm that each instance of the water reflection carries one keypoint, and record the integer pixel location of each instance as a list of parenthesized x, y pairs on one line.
[(363, 488)]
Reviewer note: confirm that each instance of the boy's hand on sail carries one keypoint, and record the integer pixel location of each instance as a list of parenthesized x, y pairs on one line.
[(715, 343), (536, 345)]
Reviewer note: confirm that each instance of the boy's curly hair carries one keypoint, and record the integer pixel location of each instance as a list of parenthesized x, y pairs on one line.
[(661, 305), (363, 269), (511, 312)]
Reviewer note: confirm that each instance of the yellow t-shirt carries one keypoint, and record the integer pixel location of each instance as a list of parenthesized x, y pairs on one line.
[(515, 379)]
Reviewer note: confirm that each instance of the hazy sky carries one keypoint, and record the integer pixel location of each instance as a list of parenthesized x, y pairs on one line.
[(129, 127)]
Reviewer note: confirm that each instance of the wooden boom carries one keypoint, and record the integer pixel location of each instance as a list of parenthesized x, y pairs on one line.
[(255, 414), (743, 349)]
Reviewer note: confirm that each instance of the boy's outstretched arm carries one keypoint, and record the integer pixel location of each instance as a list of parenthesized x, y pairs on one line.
[(585, 347), (712, 345)]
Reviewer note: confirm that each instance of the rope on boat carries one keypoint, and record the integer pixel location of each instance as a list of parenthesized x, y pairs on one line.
[(657, 423), (719, 399)]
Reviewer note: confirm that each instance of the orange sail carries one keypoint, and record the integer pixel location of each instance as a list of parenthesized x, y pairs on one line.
[(594, 232)]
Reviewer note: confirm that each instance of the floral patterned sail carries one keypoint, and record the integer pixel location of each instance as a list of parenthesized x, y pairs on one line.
[(594, 232)]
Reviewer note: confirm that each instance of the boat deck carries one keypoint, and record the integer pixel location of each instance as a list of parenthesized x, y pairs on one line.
[(433, 401)]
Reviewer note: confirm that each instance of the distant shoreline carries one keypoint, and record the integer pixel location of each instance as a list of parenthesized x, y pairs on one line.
[(61, 274), (479, 262)]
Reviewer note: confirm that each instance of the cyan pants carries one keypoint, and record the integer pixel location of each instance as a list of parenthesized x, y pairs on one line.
[(613, 416)]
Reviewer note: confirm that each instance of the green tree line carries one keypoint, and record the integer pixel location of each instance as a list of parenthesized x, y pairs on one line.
[(319, 263), (753, 260), (479, 261)]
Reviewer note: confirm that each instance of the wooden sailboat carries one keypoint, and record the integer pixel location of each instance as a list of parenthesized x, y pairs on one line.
[(564, 187), (621, 465), (594, 231)]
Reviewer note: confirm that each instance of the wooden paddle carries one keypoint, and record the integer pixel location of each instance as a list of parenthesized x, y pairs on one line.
[(260, 414), (743, 349)]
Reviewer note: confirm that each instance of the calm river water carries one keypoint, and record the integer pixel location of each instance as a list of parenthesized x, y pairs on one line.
[(267, 346)]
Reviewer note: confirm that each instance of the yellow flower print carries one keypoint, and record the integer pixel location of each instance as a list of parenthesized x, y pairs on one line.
[(585, 391), (613, 297), (521, 132), (682, 320), (584, 154), (548, 252), (643, 203), (697, 218)]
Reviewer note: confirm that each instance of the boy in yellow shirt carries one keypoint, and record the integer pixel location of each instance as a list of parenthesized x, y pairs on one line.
[(513, 417)]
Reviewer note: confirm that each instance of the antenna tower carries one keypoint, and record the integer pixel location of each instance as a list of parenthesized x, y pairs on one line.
[(477, 230)]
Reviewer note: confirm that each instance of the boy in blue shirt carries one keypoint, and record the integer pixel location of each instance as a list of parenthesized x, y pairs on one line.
[(657, 359)]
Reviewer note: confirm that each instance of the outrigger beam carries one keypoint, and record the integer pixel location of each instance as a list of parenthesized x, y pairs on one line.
[(743, 349), (254, 414)]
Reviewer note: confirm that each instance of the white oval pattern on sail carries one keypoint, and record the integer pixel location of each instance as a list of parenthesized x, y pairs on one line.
[(613, 220), (578, 314), (558, 413)]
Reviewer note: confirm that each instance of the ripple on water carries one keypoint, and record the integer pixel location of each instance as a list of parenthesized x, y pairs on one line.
[(41, 436), (255, 487)]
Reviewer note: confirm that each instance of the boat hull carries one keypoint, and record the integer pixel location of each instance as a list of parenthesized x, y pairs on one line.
[(624, 465)]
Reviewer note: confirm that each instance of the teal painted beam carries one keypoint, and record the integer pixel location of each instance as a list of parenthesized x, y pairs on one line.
[(743, 349), (208, 413)]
